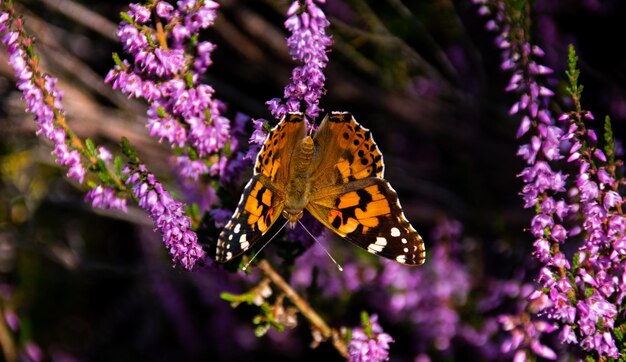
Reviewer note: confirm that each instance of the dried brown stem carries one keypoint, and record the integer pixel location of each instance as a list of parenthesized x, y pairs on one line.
[(316, 321)]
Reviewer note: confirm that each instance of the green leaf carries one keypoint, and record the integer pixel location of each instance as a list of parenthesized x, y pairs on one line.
[(573, 73), (129, 150), (193, 154), (609, 145), (125, 17), (189, 80), (575, 261), (195, 210), (348, 337), (367, 326), (91, 147), (117, 59), (161, 112), (117, 162), (261, 330)]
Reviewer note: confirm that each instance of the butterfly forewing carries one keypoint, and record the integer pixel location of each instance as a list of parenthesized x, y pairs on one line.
[(347, 152), (275, 155), (263, 198), (367, 213)]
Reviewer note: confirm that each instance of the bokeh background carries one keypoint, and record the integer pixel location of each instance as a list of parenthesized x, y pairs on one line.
[(424, 76)]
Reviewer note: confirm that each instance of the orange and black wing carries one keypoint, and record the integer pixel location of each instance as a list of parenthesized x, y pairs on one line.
[(259, 207), (347, 152), (263, 198), (275, 156), (367, 213)]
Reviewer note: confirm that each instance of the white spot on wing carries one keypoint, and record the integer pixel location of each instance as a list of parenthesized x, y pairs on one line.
[(404, 241), (381, 241), (395, 232), (237, 228), (401, 259), (229, 255), (374, 248), (406, 250)]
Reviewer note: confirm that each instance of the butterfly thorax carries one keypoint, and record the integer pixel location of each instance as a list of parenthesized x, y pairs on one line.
[(299, 185)]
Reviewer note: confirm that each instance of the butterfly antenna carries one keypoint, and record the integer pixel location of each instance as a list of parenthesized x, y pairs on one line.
[(322, 246), (263, 247)]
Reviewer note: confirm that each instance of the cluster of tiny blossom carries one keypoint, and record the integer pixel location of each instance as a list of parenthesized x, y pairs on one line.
[(309, 44), (165, 70), (168, 215), (41, 95), (369, 348), (105, 197)]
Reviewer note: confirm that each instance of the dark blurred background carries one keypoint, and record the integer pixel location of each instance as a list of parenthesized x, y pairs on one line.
[(424, 76)]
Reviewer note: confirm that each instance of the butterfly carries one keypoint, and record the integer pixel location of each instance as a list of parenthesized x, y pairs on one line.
[(336, 174)]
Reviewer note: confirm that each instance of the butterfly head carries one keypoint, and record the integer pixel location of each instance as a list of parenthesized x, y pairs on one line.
[(292, 216)]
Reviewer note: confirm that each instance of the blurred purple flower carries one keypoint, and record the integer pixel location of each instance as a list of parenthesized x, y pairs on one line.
[(431, 295), (308, 44)]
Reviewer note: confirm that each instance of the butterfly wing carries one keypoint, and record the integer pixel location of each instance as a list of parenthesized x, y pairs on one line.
[(262, 200), (275, 156), (259, 207), (367, 213), (347, 152)]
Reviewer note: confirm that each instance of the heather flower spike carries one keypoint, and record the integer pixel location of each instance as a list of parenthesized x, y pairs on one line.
[(369, 343), (168, 215), (308, 43)]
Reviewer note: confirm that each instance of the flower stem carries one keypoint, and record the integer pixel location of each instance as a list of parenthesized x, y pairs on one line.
[(304, 307)]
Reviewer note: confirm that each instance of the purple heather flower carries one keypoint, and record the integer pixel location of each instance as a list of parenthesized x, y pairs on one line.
[(105, 198), (369, 348), (309, 44), (139, 13), (599, 265), (182, 112), (168, 215), (164, 10), (257, 139)]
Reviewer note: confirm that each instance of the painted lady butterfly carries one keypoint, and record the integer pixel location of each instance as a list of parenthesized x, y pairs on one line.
[(337, 175)]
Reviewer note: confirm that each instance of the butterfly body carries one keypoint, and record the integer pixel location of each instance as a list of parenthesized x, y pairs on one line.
[(336, 174), (298, 189)]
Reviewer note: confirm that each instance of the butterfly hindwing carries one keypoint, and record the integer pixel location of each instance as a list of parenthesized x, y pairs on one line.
[(259, 207), (367, 213), (348, 152)]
